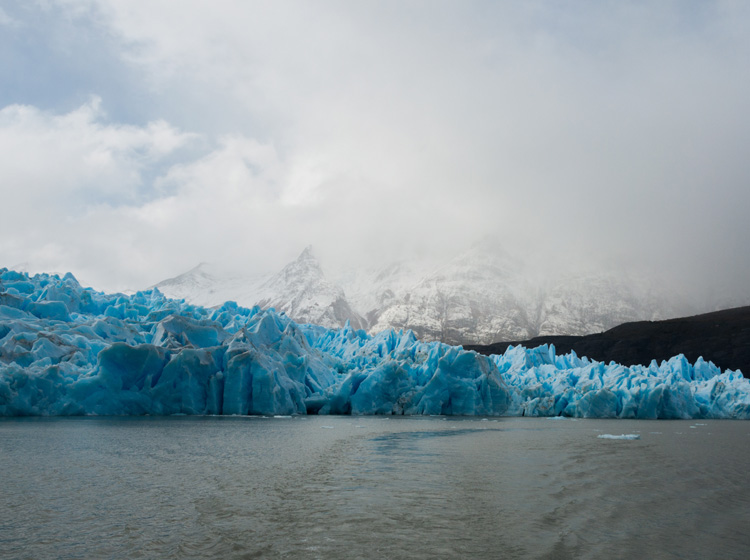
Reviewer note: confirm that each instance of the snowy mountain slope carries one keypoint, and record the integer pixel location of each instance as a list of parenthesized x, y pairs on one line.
[(300, 290), (476, 296), (481, 296), (488, 294), (371, 290), (590, 303), (207, 286)]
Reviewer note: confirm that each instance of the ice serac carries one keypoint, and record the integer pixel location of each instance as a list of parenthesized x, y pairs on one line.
[(93, 353), (69, 350), (545, 384)]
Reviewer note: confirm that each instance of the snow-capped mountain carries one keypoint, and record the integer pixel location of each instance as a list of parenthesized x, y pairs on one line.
[(482, 296), (591, 303), (486, 294), (476, 296), (300, 290), (207, 286)]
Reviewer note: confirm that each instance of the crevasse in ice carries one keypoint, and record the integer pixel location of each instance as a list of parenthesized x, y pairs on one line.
[(68, 350)]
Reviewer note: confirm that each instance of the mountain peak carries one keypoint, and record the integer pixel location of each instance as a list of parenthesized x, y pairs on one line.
[(307, 254)]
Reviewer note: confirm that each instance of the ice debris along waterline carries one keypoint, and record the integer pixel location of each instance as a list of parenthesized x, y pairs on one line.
[(68, 350)]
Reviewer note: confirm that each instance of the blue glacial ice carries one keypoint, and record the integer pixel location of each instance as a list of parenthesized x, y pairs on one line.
[(68, 350)]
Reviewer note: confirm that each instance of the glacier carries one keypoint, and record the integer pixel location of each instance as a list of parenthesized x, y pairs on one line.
[(69, 350)]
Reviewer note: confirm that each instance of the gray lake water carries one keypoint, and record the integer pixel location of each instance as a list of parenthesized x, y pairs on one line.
[(372, 487)]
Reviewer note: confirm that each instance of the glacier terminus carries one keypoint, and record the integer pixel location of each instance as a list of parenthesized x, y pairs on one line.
[(69, 350)]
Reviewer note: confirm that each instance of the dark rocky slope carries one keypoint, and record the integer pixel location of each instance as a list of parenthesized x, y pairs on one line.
[(722, 337)]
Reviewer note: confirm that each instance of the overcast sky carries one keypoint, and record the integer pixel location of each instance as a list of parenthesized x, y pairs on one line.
[(139, 138)]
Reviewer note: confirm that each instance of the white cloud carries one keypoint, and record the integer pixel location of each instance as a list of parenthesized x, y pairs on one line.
[(78, 157), (379, 128), (6, 20), (80, 202), (59, 169)]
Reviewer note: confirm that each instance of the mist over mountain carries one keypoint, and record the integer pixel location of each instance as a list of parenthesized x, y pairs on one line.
[(482, 295)]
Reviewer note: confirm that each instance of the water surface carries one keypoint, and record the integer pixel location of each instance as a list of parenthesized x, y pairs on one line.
[(372, 487)]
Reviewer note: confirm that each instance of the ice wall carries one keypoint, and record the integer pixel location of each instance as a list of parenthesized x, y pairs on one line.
[(68, 350), (544, 384)]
